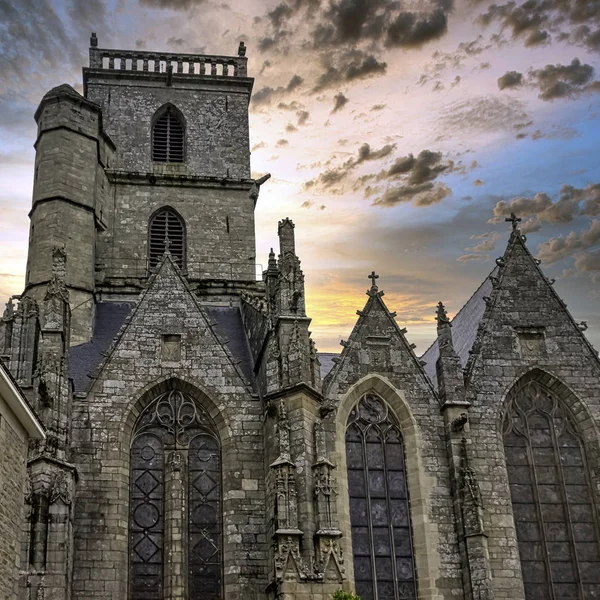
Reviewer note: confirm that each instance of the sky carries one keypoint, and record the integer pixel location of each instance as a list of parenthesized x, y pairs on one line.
[(399, 135)]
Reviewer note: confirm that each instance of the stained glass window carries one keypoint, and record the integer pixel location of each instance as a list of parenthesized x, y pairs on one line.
[(175, 433), (379, 505), (555, 516)]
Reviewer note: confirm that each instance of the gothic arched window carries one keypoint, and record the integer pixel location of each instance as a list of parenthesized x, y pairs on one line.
[(379, 506), (555, 516), (175, 487), (166, 224), (168, 136)]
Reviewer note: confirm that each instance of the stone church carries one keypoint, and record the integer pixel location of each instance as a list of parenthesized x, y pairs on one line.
[(198, 447)]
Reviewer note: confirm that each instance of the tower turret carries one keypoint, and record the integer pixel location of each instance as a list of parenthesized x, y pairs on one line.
[(68, 197)]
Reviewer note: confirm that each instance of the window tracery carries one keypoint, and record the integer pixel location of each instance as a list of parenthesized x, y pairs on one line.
[(555, 515), (175, 442), (379, 504)]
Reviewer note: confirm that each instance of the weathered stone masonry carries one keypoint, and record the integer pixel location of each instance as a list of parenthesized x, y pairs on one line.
[(197, 443)]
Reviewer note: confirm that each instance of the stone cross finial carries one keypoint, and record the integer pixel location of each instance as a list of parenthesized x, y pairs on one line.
[(242, 49), (441, 314), (373, 276), (167, 245), (514, 220)]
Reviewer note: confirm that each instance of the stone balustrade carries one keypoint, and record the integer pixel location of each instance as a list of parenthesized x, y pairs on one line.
[(159, 62)]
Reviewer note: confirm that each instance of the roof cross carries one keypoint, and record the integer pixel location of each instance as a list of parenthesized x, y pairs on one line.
[(373, 276), (167, 245), (514, 220)]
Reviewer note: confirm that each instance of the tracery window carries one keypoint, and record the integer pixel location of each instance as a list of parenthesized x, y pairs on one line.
[(168, 136), (175, 442), (167, 229), (379, 504), (555, 516)]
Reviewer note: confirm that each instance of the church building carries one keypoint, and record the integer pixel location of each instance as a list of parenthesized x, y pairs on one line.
[(198, 447)]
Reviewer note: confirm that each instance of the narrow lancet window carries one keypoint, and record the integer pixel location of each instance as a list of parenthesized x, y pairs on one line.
[(168, 137), (379, 508), (555, 515), (167, 230)]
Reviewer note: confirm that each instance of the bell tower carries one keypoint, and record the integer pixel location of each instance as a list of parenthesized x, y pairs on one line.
[(180, 176)]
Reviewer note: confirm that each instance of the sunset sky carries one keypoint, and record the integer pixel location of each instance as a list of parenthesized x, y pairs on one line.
[(399, 134)]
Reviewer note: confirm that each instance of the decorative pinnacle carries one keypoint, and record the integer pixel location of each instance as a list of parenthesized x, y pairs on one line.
[(514, 220), (167, 245), (442, 315)]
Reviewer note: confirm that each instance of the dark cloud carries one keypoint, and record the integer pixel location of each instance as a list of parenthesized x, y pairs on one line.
[(290, 128), (337, 174), (339, 101), (347, 67), (412, 179), (378, 107), (172, 4), (562, 81), (258, 146), (281, 143), (303, 116), (411, 30), (572, 202), (510, 79), (534, 22), (267, 95), (175, 41)]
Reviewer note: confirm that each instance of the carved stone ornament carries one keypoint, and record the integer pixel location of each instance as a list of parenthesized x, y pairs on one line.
[(289, 565), (61, 489), (331, 559)]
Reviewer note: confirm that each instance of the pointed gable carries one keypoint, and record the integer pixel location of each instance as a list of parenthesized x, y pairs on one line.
[(524, 318), (376, 345), (169, 329)]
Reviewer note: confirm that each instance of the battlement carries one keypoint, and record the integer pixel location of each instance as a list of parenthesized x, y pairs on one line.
[(199, 65)]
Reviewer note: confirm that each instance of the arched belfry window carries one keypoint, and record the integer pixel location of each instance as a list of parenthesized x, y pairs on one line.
[(167, 229), (175, 489), (379, 506), (168, 136), (555, 515)]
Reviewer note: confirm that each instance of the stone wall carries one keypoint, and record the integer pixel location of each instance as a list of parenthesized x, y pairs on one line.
[(523, 305), (215, 114), (137, 371), (13, 449)]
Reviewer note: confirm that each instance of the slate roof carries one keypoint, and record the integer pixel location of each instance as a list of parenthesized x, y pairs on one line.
[(110, 316), (464, 330), (326, 360), (84, 359), (230, 327)]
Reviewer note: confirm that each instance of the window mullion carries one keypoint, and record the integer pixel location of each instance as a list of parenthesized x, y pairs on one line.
[(369, 516), (388, 507), (538, 508), (563, 491)]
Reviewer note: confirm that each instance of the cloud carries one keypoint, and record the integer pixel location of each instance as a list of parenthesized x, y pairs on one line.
[(266, 95), (281, 143), (339, 101), (532, 225), (563, 81), (182, 5), (290, 128), (510, 79), (482, 114), (472, 257), (485, 246), (478, 182), (348, 66), (536, 21), (557, 248), (572, 202), (341, 172), (303, 116), (175, 41)]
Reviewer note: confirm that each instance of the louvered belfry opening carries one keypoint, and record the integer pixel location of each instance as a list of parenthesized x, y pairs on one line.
[(168, 138), (166, 225)]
